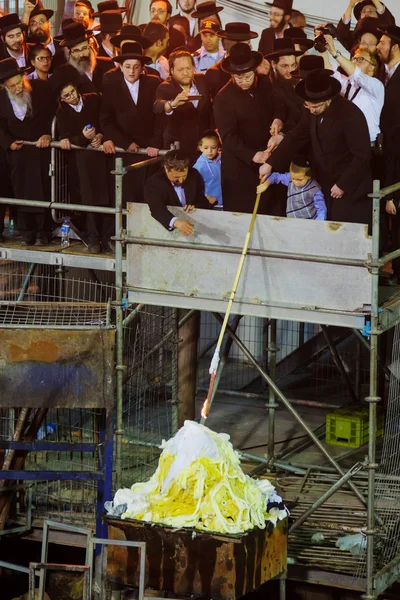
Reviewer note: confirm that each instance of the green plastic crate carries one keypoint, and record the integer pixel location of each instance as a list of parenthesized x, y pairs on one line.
[(349, 426)]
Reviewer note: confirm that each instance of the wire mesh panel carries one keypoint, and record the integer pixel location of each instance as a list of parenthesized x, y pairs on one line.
[(150, 344)]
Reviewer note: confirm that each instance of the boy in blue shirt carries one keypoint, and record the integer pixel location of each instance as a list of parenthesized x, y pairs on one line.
[(305, 199), (209, 166)]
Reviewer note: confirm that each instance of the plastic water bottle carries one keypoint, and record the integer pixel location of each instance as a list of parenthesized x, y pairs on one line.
[(65, 227)]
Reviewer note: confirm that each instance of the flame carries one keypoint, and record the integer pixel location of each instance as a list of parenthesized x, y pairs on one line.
[(205, 409)]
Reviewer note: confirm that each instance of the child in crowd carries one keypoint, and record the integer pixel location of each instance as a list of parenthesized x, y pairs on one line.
[(305, 199), (209, 166)]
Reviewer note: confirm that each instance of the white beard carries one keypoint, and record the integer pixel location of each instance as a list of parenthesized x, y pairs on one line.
[(23, 100), (84, 67)]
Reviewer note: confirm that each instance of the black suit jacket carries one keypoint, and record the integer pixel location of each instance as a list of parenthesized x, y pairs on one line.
[(159, 193), (390, 126), (186, 124), (124, 122), (266, 43), (290, 100), (216, 79), (341, 155)]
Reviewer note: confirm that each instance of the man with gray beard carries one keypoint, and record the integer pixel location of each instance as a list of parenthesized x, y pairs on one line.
[(26, 112), (82, 56)]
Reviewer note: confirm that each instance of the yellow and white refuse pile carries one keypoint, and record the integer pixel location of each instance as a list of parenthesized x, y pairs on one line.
[(199, 483)]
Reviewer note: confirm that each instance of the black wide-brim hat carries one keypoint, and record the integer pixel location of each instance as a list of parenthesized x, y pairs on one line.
[(130, 33), (367, 25), (237, 32), (358, 8), (11, 21), (72, 34), (298, 36), (286, 5), (63, 76), (283, 47), (40, 10), (108, 5), (206, 9), (132, 51), (110, 21), (241, 59), (9, 68), (307, 64), (392, 31), (318, 86)]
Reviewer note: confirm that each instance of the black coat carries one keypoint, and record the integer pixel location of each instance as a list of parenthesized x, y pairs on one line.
[(290, 100), (186, 124), (341, 155), (29, 167), (121, 120), (266, 43), (346, 36), (390, 126), (93, 170), (159, 193), (216, 79), (243, 121)]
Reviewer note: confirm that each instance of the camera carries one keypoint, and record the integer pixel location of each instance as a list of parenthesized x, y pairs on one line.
[(320, 41)]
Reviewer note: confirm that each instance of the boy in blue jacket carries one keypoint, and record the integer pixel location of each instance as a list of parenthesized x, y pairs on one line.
[(305, 199), (209, 166)]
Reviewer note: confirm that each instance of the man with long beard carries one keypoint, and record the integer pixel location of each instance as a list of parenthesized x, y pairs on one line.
[(39, 30), (283, 62), (13, 38), (26, 113), (83, 57), (279, 17)]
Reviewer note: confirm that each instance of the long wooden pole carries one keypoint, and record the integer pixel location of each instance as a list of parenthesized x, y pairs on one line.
[(216, 357)]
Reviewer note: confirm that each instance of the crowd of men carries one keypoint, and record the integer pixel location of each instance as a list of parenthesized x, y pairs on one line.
[(117, 87)]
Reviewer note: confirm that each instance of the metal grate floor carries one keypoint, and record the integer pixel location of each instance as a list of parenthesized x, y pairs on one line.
[(54, 314)]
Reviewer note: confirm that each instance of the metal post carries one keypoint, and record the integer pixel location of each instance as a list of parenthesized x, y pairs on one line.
[(288, 405), (272, 405), (373, 398), (119, 330)]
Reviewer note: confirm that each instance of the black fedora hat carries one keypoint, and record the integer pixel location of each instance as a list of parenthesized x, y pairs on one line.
[(318, 86), (237, 31), (73, 33), (307, 64), (9, 68), (206, 9), (358, 8), (298, 36), (63, 76), (108, 5), (11, 21), (392, 31), (286, 5), (40, 10), (367, 25), (110, 21), (241, 59), (132, 51), (130, 33), (283, 47)]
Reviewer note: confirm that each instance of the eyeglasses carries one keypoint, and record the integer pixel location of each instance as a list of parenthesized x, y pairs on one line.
[(43, 58), (78, 51), (157, 11), (69, 95), (34, 23), (15, 86), (360, 59)]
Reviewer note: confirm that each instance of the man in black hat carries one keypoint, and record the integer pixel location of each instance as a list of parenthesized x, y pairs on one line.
[(234, 33), (388, 51), (26, 113), (161, 10), (13, 37), (244, 111), (110, 26), (206, 11), (366, 9), (284, 63), (184, 100), (39, 31), (299, 39), (211, 50), (279, 17), (158, 36), (186, 10), (339, 137), (82, 56)]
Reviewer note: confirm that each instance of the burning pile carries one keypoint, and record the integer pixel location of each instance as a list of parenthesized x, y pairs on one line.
[(199, 483)]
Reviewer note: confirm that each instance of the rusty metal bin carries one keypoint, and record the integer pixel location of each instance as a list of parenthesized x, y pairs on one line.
[(191, 563)]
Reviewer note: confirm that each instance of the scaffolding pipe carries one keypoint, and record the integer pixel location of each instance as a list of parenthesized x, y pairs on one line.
[(338, 361), (29, 274), (373, 398), (290, 408), (119, 329), (294, 401), (328, 494), (49, 205), (272, 405), (366, 345), (141, 151)]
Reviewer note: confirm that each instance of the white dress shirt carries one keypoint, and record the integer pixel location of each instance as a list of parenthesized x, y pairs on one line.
[(51, 47), (79, 106), (19, 111), (133, 89), (161, 66), (180, 192), (368, 93)]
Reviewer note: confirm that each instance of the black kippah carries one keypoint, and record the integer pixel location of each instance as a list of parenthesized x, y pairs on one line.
[(301, 161)]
